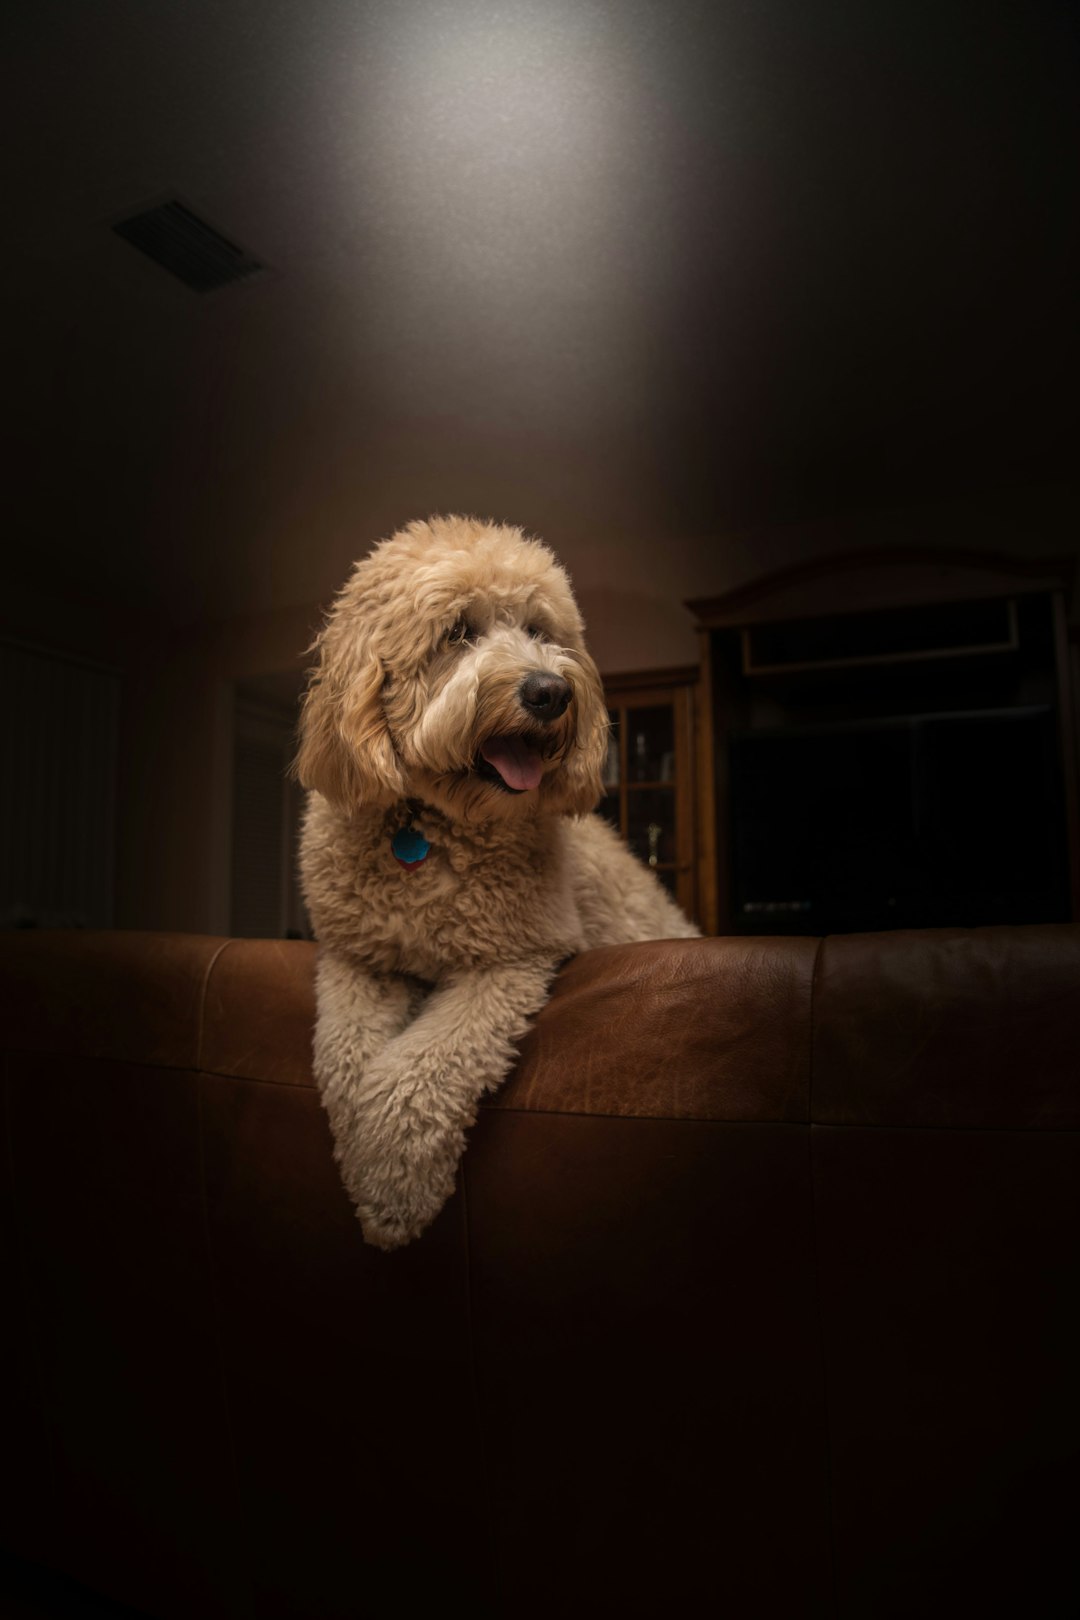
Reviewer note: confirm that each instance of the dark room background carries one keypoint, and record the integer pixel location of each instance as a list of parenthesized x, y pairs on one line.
[(699, 293)]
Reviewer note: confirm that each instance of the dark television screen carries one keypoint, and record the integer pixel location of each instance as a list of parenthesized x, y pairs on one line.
[(925, 821)]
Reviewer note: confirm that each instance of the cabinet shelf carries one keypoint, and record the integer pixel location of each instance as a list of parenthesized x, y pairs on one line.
[(667, 786)]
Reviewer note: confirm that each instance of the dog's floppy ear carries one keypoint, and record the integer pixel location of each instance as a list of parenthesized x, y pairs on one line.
[(580, 782), (346, 752)]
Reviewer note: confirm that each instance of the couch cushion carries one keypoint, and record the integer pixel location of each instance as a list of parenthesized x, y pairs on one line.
[(944, 1027), (132, 997), (674, 1029)]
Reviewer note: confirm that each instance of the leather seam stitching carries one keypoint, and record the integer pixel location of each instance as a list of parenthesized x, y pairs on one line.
[(200, 1030)]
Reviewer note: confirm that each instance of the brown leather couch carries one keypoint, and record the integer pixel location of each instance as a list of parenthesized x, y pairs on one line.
[(758, 1296)]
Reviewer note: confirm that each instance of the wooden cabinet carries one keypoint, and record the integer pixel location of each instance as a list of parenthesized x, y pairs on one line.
[(887, 741), (650, 773)]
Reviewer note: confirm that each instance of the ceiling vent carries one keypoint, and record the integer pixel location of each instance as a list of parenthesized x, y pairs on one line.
[(187, 247)]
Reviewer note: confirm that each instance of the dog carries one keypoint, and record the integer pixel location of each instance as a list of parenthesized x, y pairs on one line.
[(452, 738)]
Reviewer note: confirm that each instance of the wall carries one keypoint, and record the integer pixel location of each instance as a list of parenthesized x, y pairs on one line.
[(176, 765)]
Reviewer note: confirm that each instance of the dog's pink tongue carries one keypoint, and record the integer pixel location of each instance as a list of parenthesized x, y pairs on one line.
[(519, 765)]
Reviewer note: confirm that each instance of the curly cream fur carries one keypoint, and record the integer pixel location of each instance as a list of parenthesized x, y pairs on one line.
[(427, 977)]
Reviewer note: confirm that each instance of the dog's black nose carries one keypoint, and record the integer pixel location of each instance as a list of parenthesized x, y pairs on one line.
[(545, 696)]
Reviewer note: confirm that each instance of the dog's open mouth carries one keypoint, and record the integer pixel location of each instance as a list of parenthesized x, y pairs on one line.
[(511, 763)]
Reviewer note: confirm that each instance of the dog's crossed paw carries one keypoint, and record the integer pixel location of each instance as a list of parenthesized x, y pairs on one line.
[(383, 1229), (399, 1191), (389, 1222)]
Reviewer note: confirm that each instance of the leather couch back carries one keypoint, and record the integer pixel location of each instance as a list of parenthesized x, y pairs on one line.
[(757, 1294)]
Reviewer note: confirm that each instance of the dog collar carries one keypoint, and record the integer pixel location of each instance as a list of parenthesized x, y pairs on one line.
[(408, 845)]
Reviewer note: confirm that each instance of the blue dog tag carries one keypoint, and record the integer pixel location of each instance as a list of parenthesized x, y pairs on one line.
[(409, 846)]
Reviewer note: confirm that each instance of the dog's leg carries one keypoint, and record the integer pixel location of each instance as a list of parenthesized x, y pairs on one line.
[(415, 1101), (357, 1015)]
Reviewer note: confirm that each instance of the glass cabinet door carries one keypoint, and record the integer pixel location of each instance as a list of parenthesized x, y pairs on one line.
[(648, 780)]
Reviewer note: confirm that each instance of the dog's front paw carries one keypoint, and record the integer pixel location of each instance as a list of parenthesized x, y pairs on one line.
[(391, 1229), (399, 1185)]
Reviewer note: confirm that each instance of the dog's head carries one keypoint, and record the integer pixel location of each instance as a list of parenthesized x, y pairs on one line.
[(452, 668)]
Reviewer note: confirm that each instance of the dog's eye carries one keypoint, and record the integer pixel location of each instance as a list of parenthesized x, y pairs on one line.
[(458, 633), (535, 632)]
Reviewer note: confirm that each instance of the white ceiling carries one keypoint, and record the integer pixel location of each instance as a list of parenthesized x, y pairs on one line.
[(651, 277)]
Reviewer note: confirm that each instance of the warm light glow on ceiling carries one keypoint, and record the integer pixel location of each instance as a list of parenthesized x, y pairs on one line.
[(504, 152)]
